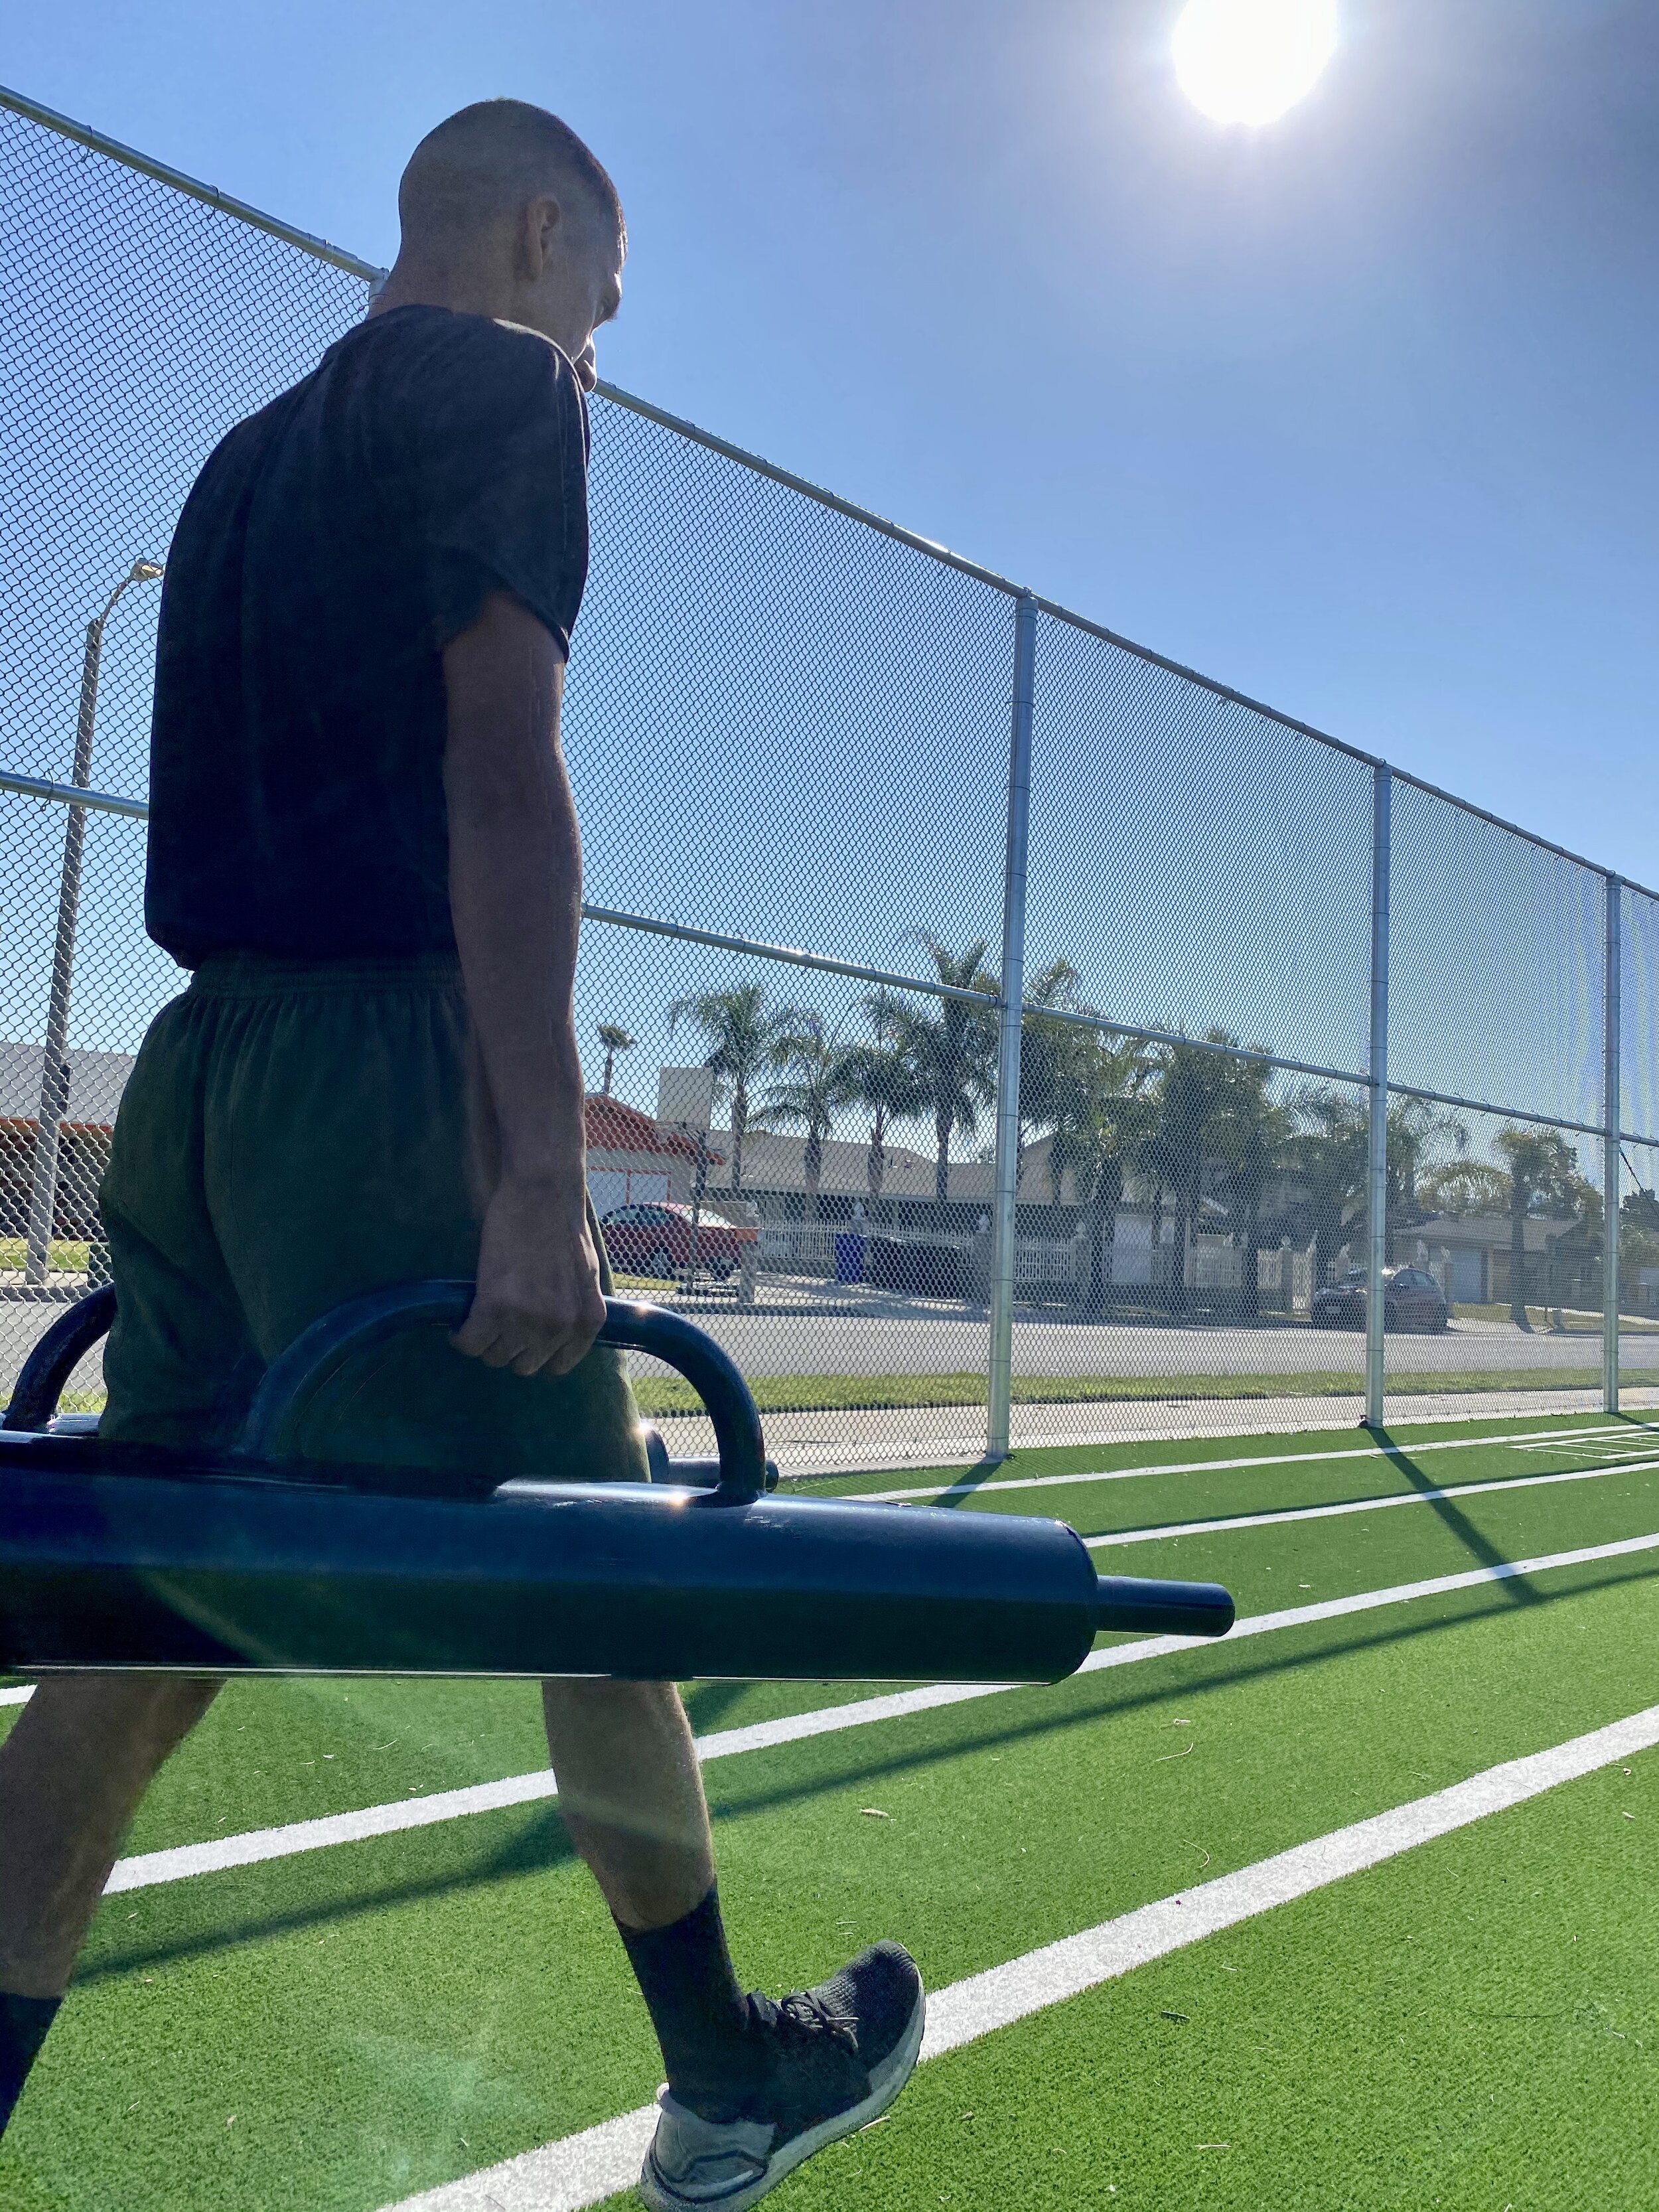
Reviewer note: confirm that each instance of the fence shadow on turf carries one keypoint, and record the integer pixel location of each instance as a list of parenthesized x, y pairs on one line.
[(1516, 1588), (540, 1845), (964, 1481)]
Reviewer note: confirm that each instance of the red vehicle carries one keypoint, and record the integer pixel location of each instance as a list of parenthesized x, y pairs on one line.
[(656, 1240)]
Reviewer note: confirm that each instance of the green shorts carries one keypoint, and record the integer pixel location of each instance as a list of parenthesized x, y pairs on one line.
[(292, 1135)]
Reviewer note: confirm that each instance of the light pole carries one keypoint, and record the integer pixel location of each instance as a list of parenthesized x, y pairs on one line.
[(54, 1064)]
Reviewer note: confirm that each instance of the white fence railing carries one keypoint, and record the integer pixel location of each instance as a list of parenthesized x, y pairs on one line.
[(1284, 1278)]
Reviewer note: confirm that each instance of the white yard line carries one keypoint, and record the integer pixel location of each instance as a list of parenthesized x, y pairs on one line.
[(584, 2169), (1222, 1466), (1359, 1505), (19, 1697), (148, 1869)]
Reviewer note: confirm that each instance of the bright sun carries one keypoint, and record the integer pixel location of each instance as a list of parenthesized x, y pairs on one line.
[(1246, 61)]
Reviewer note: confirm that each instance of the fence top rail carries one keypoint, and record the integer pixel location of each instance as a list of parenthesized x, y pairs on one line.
[(372, 274), (96, 142)]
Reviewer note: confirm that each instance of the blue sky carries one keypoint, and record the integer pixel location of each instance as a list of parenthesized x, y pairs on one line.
[(1349, 413), (1354, 412)]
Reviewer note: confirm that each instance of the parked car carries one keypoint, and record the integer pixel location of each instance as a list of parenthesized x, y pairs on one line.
[(1411, 1299), (656, 1240)]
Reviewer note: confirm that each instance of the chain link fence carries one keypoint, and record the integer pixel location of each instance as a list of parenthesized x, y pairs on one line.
[(1163, 1201)]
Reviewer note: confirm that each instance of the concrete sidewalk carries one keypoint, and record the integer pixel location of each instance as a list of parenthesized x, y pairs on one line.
[(806, 1444)]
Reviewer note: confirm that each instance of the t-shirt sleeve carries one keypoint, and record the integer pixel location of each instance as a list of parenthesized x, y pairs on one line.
[(501, 436)]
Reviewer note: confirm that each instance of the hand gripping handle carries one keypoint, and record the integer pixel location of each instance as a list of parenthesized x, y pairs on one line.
[(318, 1352)]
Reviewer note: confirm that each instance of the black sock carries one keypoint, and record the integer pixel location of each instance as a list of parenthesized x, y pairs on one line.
[(23, 2025), (701, 2015)]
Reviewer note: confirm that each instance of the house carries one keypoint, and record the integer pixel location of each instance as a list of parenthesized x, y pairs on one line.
[(775, 1179), (1474, 1251), (632, 1160), (96, 1080)]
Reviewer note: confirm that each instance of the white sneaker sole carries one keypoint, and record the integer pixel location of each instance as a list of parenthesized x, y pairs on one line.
[(885, 2082)]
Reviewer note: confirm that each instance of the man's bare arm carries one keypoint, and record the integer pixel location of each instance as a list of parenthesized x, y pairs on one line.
[(515, 892)]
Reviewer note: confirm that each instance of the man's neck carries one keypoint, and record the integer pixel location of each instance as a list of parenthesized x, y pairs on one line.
[(463, 292)]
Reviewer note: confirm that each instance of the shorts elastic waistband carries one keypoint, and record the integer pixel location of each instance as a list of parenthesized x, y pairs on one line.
[(254, 975)]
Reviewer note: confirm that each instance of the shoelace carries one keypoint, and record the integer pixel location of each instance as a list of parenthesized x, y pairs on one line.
[(804, 2013)]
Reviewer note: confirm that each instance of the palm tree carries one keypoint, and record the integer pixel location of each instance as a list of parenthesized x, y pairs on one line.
[(1543, 1171), (954, 1051), (1330, 1157), (1047, 1050), (1191, 1082), (819, 1084), (1252, 1133), (615, 1039), (1330, 1154), (883, 1078), (1416, 1131), (1463, 1185), (1102, 1113), (744, 1036)]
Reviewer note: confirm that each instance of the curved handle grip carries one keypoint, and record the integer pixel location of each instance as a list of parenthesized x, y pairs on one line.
[(318, 1353), (40, 1383)]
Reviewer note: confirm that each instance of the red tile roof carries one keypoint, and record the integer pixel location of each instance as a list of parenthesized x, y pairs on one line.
[(615, 1127)]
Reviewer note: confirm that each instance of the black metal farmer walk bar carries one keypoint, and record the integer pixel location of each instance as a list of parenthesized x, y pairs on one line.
[(138, 1556)]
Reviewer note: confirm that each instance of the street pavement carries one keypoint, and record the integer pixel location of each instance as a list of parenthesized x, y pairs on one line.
[(918, 1341)]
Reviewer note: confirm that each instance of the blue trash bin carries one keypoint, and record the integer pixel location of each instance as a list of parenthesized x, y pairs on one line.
[(849, 1257)]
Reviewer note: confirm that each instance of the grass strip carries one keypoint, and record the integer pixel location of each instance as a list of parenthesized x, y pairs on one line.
[(664, 1397), (63, 1254)]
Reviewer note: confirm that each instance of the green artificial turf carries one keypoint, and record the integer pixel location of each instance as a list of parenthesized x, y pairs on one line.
[(413, 2007), (1150, 1453), (1152, 1500), (332, 2032), (1453, 2028), (66, 1254)]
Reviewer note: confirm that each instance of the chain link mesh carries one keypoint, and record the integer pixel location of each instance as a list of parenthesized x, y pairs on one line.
[(1638, 997), (140, 325), (1495, 1248), (1496, 962), (787, 726)]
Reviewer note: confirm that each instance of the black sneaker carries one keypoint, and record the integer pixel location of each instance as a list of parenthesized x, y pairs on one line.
[(840, 2054)]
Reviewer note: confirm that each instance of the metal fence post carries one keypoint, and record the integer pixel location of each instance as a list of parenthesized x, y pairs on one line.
[(54, 1061), (1377, 1072), (54, 1064), (1005, 1219), (1612, 1114)]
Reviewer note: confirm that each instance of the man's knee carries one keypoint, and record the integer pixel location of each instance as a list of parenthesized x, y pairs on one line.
[(600, 1694), (593, 1716)]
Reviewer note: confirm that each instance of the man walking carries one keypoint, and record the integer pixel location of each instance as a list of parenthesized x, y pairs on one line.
[(362, 843)]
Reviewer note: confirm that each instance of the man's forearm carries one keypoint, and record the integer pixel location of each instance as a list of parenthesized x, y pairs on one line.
[(515, 893), (516, 898)]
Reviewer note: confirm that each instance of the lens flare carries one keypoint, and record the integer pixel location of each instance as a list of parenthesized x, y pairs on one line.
[(1248, 61)]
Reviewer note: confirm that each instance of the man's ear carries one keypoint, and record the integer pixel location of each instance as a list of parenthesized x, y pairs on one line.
[(538, 227)]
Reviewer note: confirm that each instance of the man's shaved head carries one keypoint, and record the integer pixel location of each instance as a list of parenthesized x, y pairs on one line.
[(507, 214), (486, 163)]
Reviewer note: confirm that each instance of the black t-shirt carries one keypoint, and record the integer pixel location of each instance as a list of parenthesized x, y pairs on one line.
[(332, 546)]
